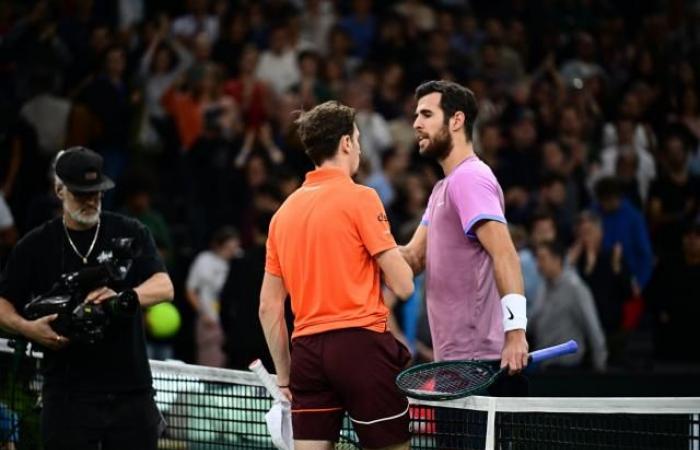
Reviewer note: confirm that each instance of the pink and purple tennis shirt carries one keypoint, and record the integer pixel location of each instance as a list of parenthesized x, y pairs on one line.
[(463, 302)]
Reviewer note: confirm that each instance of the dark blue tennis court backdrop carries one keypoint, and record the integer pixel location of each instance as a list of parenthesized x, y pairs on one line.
[(209, 409)]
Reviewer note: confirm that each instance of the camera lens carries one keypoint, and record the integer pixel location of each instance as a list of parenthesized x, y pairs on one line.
[(125, 303)]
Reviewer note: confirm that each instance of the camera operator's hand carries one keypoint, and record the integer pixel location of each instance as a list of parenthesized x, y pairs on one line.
[(40, 331), (100, 295)]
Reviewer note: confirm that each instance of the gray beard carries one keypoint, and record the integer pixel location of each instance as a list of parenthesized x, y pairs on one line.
[(85, 219)]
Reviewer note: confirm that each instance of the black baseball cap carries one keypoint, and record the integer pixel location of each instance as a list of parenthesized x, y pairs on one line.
[(80, 169)]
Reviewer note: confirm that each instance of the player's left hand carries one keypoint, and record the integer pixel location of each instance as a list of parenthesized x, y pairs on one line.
[(100, 295), (515, 351)]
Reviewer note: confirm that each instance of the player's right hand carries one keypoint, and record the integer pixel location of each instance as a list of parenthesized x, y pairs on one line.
[(40, 331), (287, 393), (515, 351), (411, 258)]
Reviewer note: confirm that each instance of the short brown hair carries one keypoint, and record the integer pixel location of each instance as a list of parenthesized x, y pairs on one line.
[(321, 129), (455, 97)]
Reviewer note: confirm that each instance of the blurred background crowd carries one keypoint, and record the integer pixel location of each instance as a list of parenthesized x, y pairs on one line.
[(589, 117)]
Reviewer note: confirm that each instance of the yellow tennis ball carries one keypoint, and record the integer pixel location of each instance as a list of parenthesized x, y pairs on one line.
[(163, 320)]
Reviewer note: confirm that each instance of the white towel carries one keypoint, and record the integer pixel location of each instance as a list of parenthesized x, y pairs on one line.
[(279, 424)]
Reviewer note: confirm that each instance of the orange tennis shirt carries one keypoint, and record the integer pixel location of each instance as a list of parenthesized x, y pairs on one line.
[(322, 243)]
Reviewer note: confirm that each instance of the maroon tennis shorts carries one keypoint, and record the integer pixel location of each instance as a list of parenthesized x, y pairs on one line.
[(351, 370)]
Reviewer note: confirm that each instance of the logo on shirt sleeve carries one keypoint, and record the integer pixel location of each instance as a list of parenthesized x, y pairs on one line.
[(382, 217)]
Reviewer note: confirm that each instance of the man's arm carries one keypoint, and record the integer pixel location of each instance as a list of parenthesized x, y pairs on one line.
[(393, 324), (15, 283), (193, 299), (272, 297), (38, 330), (10, 321), (414, 251), (496, 240), (157, 289), (397, 273)]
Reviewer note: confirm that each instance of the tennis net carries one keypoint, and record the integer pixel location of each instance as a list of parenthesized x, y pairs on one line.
[(212, 409)]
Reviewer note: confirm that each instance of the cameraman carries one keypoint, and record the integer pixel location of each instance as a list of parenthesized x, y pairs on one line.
[(95, 396)]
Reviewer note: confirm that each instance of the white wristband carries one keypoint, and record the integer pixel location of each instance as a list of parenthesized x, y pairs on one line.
[(514, 312)]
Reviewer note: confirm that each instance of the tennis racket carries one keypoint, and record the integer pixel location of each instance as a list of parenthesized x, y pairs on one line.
[(267, 380), (446, 380)]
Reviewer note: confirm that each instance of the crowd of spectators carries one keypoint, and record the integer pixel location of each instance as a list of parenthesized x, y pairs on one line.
[(589, 117)]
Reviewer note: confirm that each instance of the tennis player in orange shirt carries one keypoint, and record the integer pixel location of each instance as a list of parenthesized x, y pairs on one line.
[(329, 245)]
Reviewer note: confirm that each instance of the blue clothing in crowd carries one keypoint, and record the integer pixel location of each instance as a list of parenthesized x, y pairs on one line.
[(531, 276), (9, 430), (626, 225)]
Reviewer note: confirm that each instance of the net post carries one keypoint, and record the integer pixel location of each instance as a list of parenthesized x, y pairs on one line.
[(491, 424)]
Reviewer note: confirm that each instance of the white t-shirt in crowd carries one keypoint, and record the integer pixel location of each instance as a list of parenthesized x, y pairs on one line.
[(207, 277)]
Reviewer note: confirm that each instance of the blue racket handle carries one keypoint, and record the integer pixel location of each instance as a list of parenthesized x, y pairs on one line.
[(553, 352)]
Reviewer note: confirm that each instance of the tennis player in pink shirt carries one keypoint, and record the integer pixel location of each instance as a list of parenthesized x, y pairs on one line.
[(474, 286)]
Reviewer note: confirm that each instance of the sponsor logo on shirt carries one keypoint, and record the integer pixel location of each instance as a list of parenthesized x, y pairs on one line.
[(104, 257)]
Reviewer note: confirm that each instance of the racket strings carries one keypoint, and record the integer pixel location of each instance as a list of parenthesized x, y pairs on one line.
[(447, 379)]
